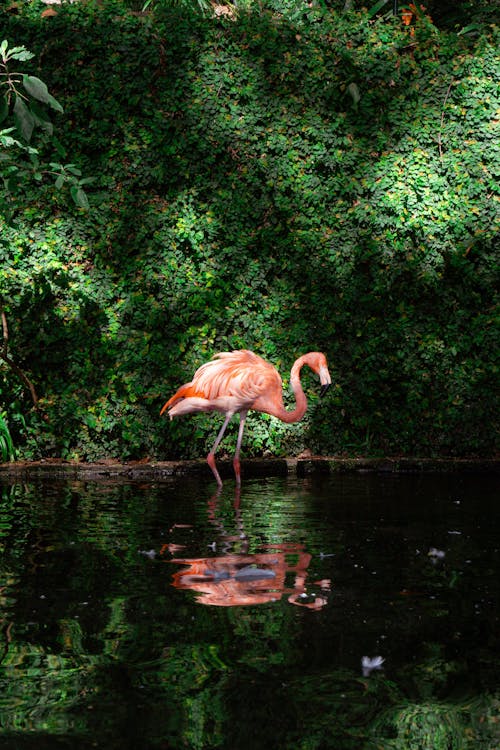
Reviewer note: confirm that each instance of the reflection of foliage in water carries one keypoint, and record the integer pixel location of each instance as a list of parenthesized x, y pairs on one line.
[(427, 725), (441, 726), (41, 689), (92, 636), (185, 689)]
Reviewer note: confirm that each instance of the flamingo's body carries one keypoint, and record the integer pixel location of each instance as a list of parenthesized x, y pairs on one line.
[(235, 382)]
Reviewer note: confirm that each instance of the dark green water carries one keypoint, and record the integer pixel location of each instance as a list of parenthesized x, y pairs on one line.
[(160, 616)]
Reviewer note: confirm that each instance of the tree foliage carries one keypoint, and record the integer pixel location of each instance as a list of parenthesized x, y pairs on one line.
[(25, 103), (282, 179)]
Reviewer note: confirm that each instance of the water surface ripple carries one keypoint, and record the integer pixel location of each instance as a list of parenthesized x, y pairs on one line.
[(355, 611)]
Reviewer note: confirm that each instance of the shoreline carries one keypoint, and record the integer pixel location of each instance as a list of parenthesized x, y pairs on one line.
[(251, 468)]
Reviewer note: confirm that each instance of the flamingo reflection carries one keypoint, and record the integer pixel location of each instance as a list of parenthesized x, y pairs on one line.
[(242, 579)]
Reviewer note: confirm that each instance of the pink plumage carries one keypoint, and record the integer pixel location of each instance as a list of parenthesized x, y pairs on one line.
[(235, 382)]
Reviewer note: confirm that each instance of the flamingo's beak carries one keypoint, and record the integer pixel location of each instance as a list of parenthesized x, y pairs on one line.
[(325, 380)]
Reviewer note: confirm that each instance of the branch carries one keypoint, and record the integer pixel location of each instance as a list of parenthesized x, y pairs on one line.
[(5, 357), (5, 329), (442, 121)]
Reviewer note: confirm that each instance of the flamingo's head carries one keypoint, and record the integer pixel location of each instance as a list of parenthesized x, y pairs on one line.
[(318, 364)]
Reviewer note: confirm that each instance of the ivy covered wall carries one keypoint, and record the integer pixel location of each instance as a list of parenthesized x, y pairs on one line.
[(279, 181)]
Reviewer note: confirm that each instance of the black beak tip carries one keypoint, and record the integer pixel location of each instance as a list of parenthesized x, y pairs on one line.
[(324, 389)]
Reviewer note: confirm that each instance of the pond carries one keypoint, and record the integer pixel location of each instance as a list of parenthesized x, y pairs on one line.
[(348, 612)]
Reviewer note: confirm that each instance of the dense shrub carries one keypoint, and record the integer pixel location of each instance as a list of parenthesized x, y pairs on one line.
[(280, 182)]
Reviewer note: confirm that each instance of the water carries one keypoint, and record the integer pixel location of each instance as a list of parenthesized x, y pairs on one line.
[(358, 611)]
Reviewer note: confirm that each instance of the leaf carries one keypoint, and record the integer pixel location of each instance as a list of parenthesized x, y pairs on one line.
[(4, 108), (24, 119), (79, 197), (7, 140), (38, 90), (373, 11), (354, 92), (73, 170), (59, 147), (468, 29), (41, 119), (20, 53), (90, 420)]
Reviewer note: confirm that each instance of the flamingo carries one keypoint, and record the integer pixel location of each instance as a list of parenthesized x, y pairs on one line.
[(235, 382)]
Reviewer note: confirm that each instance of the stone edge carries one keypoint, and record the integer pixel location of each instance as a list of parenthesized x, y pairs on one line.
[(298, 467)]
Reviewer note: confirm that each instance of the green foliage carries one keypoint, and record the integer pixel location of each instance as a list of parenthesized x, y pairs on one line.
[(25, 99), (279, 181), (7, 452)]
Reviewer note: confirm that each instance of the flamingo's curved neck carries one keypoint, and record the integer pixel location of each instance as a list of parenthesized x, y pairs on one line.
[(300, 398)]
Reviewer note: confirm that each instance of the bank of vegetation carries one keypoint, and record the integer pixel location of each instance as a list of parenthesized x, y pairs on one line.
[(278, 177)]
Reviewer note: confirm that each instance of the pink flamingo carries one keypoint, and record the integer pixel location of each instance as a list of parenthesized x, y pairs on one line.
[(234, 382)]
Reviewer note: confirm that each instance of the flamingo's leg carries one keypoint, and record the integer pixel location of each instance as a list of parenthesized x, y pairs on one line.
[(236, 459), (211, 455)]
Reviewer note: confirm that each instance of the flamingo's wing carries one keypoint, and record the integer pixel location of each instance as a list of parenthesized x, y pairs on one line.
[(231, 381), (241, 374)]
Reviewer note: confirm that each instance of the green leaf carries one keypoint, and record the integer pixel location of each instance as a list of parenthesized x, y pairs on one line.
[(472, 27), (24, 119), (373, 11), (59, 147), (38, 90), (73, 170), (90, 420), (41, 119), (7, 140), (7, 451), (20, 53), (4, 108), (354, 92), (79, 197), (7, 130)]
